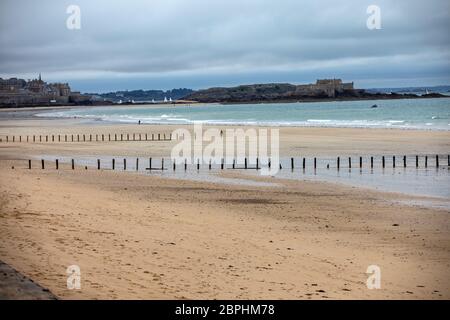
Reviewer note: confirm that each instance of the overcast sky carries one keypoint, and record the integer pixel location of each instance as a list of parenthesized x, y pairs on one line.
[(163, 44)]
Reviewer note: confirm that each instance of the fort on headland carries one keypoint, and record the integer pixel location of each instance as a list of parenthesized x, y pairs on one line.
[(36, 92), (322, 89)]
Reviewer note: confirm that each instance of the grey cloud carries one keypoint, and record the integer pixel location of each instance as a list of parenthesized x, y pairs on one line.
[(253, 40)]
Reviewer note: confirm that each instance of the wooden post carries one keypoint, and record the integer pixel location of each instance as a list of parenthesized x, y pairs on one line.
[(417, 161), (384, 162), (315, 163), (57, 164), (98, 164), (7, 138), (115, 136), (96, 137), (426, 161), (437, 161), (140, 137), (150, 164), (257, 163), (371, 162), (393, 161), (72, 138), (292, 164), (198, 164), (245, 163), (59, 138), (360, 162), (53, 138), (137, 164), (128, 137), (269, 164), (338, 163), (78, 137), (90, 137), (234, 163), (185, 164), (103, 137), (349, 162), (221, 163), (34, 138), (162, 164), (121, 137), (84, 138), (29, 164), (27, 138), (174, 164), (170, 138), (209, 164), (404, 161), (153, 137), (42, 164), (304, 163), (448, 160), (134, 137), (124, 164), (113, 164), (73, 164), (20, 138)]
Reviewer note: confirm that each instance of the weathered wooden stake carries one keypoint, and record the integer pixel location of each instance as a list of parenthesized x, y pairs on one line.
[(73, 164), (383, 162), (137, 164), (360, 162), (404, 161), (29, 164), (198, 164), (57, 164), (245, 163), (185, 164), (42, 164), (349, 162), (437, 161), (338, 163), (426, 161), (292, 163), (315, 163), (98, 164), (304, 163), (209, 164), (417, 161), (150, 164), (221, 163), (371, 162), (113, 164), (162, 164), (124, 164), (393, 161)]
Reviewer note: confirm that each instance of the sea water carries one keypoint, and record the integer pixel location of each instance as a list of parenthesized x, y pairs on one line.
[(423, 113)]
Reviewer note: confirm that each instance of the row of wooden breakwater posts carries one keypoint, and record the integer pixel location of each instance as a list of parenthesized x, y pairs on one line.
[(420, 161), (89, 137)]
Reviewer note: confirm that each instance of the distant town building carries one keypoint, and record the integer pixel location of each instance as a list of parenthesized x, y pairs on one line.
[(18, 92)]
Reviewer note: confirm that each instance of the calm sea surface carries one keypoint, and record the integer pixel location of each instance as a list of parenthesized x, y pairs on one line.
[(428, 114)]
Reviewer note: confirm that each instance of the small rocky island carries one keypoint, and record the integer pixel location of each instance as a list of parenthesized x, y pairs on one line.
[(322, 90)]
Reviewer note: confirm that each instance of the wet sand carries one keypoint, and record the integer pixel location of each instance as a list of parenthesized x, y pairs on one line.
[(137, 236)]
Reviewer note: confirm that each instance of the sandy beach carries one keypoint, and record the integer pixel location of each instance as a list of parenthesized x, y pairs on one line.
[(145, 237)]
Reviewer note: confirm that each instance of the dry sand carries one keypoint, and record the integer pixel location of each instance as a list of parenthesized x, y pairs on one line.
[(137, 236)]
